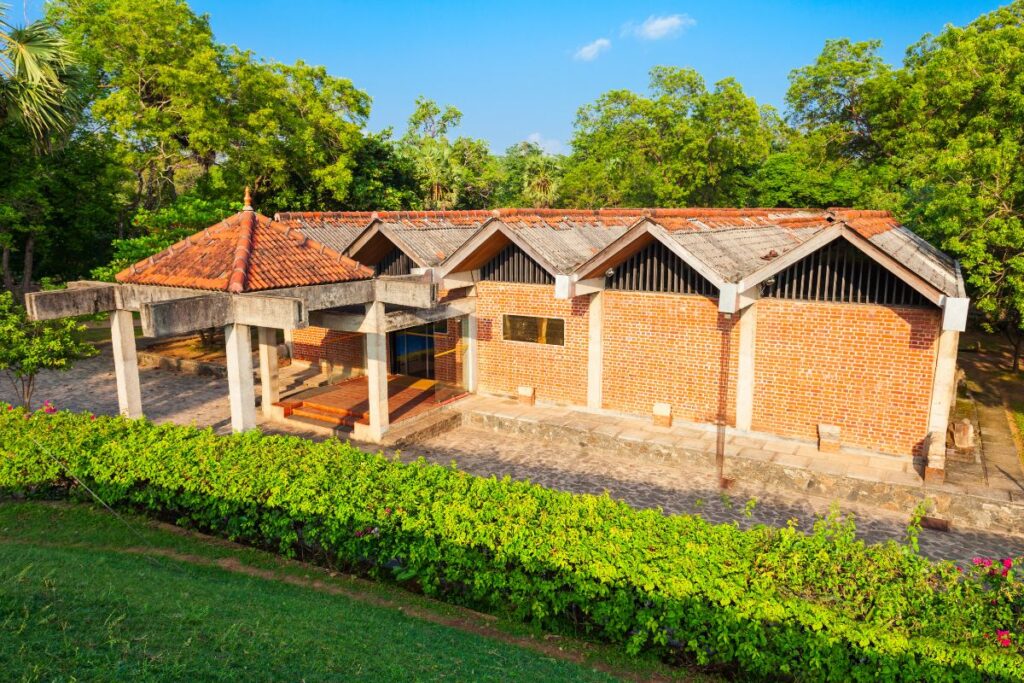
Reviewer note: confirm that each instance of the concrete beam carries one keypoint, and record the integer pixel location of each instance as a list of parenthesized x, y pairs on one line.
[(241, 389), (728, 298), (465, 278), (320, 297), (132, 297), (278, 312), (342, 322), (126, 364), (269, 393), (181, 316), (414, 292), (400, 320), (591, 286), (67, 303), (564, 287)]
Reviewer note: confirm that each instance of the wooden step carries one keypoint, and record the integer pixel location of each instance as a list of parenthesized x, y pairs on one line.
[(328, 409), (335, 420)]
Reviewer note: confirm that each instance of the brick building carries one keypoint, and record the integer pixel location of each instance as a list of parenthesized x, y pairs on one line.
[(799, 323)]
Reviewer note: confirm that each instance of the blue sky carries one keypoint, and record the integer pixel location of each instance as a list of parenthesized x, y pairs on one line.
[(521, 69)]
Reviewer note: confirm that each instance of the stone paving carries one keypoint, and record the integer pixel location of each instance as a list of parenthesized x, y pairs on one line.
[(644, 482)]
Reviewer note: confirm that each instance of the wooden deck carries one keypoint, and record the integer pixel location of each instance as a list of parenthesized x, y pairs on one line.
[(344, 404)]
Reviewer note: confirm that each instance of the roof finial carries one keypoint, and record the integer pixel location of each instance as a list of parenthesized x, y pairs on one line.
[(247, 202)]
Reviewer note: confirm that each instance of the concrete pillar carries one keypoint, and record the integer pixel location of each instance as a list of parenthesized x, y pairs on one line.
[(126, 363), (241, 391), (269, 394), (745, 368), (595, 352), (470, 363), (289, 342), (943, 392), (377, 371)]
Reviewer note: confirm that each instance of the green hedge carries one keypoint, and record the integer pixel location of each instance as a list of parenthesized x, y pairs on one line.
[(764, 603)]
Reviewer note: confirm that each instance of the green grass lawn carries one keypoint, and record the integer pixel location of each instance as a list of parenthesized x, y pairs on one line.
[(84, 596)]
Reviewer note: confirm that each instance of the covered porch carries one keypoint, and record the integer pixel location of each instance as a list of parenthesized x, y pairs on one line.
[(250, 272)]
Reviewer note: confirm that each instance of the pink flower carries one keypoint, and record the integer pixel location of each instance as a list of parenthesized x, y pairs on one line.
[(92, 417), (1007, 562), (1004, 638), (48, 408)]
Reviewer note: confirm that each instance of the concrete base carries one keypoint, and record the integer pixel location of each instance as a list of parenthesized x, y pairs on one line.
[(527, 395), (934, 475), (828, 439), (662, 414)]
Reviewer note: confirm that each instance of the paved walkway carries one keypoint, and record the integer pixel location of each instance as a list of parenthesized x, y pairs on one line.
[(645, 482)]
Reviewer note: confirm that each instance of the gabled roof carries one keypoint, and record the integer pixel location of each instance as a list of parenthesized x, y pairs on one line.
[(245, 253), (428, 238), (732, 244)]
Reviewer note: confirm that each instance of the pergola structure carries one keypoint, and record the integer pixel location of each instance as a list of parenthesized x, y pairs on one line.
[(249, 271)]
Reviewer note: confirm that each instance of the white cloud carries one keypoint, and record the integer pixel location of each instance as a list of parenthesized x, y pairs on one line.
[(656, 28), (591, 51), (549, 145)]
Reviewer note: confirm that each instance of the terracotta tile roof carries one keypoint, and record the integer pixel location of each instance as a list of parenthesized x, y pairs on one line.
[(245, 253)]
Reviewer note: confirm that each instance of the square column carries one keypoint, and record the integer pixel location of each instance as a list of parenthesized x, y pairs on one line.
[(943, 391), (745, 368), (269, 394), (377, 371), (469, 338), (126, 363), (241, 389), (595, 352)]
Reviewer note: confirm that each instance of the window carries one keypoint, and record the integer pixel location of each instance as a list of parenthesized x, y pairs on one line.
[(525, 328)]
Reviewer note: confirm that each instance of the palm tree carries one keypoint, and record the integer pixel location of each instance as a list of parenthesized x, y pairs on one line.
[(34, 63)]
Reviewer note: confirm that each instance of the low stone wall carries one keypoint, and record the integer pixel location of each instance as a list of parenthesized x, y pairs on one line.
[(988, 510)]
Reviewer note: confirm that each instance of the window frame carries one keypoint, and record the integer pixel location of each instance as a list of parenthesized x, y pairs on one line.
[(505, 338)]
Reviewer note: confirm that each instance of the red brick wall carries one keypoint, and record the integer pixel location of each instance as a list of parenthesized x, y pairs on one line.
[(669, 348), (867, 369), (448, 354), (343, 349), (559, 373)]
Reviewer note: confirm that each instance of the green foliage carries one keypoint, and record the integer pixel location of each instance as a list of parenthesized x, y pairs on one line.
[(766, 603), (162, 228), (683, 145), (28, 346), (35, 63)]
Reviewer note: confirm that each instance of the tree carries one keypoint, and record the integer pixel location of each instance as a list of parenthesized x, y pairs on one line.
[(34, 69), (832, 97), (529, 177), (451, 174), (29, 346), (951, 130), (682, 145)]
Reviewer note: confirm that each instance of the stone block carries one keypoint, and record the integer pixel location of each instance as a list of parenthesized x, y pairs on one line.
[(527, 395), (934, 475), (828, 438), (963, 434), (662, 415)]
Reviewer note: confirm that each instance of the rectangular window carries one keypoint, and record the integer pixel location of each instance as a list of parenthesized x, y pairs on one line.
[(525, 328)]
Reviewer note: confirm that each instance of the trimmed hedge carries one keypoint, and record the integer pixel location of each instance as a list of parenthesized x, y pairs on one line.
[(765, 603)]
